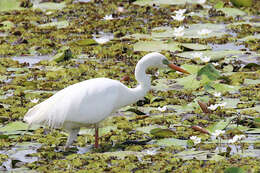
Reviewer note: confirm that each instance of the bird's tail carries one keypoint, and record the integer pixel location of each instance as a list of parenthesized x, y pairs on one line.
[(43, 114)]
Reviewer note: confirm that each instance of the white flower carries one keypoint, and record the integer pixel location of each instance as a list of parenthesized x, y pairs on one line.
[(239, 137), (178, 17), (217, 94), (205, 59), (231, 141), (178, 32), (162, 109), (195, 139), (157, 73), (197, 55), (201, 1), (151, 152), (108, 17), (213, 107), (218, 132), (180, 11), (34, 100), (223, 104), (215, 63), (236, 138), (204, 32)]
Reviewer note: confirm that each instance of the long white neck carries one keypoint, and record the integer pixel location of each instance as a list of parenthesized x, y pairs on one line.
[(131, 95)]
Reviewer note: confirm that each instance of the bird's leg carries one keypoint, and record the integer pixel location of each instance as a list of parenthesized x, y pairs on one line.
[(72, 136), (96, 136)]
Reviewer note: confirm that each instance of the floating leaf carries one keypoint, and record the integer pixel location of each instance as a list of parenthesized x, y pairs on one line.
[(59, 25), (8, 5), (171, 142), (242, 3), (234, 170), (150, 46), (162, 133), (198, 128), (135, 111), (85, 42), (49, 6), (210, 71), (204, 107), (232, 12), (220, 125), (195, 46)]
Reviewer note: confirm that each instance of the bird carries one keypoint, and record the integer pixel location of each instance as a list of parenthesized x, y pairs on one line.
[(87, 103)]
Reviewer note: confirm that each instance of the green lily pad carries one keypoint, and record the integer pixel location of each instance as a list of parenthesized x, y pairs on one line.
[(214, 55), (195, 46), (17, 126), (210, 71), (199, 155), (171, 142), (59, 25), (242, 3), (216, 30), (147, 129), (232, 12), (219, 125), (157, 46), (162, 133), (49, 6), (85, 42), (234, 170), (8, 5), (102, 131)]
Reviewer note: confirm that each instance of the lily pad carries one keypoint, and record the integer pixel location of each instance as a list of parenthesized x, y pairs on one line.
[(195, 46), (210, 71), (8, 5), (232, 12), (171, 142), (242, 3), (162, 133), (17, 126), (220, 125), (49, 5), (157, 46), (59, 25)]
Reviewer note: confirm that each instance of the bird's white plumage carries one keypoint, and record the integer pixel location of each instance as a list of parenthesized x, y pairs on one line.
[(89, 102)]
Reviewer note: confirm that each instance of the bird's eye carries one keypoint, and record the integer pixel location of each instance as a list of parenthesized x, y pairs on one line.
[(165, 61)]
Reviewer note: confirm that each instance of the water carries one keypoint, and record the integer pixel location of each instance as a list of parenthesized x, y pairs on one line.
[(32, 60)]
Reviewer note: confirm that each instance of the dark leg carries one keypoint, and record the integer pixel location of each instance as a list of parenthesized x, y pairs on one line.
[(96, 136)]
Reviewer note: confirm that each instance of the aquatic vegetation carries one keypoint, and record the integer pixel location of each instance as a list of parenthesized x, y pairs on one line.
[(45, 47)]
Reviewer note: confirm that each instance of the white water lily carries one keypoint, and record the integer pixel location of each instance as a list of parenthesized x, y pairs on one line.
[(222, 104), (195, 139), (218, 132), (213, 107), (197, 55), (217, 94), (180, 11), (215, 63), (236, 138), (205, 59), (108, 17), (178, 32), (34, 100), (204, 32), (201, 1), (178, 17), (162, 109)]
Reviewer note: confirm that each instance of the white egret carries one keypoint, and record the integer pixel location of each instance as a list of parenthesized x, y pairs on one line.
[(87, 103)]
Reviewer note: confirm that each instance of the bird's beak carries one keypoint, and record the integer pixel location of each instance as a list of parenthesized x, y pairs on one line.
[(177, 68)]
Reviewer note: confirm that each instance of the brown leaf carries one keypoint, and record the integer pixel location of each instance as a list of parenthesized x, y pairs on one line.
[(198, 128), (204, 107)]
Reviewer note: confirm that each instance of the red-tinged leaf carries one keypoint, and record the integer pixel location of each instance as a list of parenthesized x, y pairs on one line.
[(198, 128), (204, 107), (125, 78)]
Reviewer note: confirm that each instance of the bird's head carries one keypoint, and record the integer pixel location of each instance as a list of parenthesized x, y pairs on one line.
[(160, 61)]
